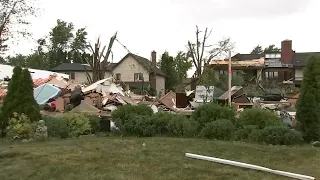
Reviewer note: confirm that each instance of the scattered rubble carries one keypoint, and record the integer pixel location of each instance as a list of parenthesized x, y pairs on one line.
[(56, 94)]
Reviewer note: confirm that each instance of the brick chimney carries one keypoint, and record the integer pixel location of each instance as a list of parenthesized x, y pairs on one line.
[(153, 76), (154, 59), (286, 52)]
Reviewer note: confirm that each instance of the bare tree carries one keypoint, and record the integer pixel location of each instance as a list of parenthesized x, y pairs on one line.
[(99, 60), (13, 14), (201, 57)]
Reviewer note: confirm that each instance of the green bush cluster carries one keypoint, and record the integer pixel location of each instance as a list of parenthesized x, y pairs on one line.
[(276, 135), (220, 129), (57, 127), (211, 112), (20, 127), (19, 99), (160, 124), (72, 124), (210, 121), (258, 117), (263, 126)]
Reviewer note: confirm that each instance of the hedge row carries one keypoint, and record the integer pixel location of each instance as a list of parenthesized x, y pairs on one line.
[(210, 121)]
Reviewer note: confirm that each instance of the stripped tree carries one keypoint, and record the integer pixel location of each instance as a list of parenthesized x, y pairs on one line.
[(99, 60), (13, 14), (202, 53)]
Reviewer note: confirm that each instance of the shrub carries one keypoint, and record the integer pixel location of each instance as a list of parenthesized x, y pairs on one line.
[(94, 123), (243, 133), (308, 102), (138, 125), (161, 120), (277, 135), (182, 126), (20, 127), (219, 129), (211, 112), (258, 117), (78, 123), (57, 127), (123, 113)]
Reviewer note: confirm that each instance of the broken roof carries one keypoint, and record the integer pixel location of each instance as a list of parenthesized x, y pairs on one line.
[(234, 90), (246, 57), (244, 63), (7, 70)]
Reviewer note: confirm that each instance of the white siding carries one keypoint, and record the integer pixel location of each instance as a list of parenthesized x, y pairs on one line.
[(298, 74), (128, 67), (160, 84)]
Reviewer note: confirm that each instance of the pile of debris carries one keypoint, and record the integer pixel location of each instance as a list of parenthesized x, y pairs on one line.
[(57, 94)]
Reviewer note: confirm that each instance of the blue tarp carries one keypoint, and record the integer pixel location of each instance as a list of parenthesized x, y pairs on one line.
[(44, 92)]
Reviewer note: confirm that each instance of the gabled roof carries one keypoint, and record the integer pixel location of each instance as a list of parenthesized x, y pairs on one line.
[(301, 59), (144, 62), (78, 67)]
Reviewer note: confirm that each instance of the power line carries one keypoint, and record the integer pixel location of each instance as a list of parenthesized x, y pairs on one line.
[(125, 47)]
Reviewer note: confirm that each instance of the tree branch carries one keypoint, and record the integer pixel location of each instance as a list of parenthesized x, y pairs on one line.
[(191, 52)]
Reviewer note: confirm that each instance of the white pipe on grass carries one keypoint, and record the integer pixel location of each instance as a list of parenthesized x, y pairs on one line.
[(249, 166)]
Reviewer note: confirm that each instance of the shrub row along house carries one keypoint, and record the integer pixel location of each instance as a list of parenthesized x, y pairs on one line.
[(135, 71), (286, 65)]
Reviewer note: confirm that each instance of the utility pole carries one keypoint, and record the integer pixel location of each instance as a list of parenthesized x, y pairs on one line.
[(230, 76)]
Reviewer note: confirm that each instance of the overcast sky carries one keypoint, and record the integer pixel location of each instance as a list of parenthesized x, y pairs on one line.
[(146, 25)]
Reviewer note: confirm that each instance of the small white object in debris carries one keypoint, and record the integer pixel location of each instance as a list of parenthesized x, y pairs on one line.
[(144, 144), (154, 108)]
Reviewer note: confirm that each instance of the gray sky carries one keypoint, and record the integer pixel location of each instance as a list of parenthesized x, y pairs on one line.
[(146, 25)]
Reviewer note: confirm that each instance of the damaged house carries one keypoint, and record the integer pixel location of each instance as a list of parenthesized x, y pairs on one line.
[(284, 66), (133, 71)]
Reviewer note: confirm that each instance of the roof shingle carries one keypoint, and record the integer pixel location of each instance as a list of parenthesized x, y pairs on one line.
[(78, 67), (301, 59), (82, 67)]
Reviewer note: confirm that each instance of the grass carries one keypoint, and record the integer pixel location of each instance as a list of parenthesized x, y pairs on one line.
[(101, 158)]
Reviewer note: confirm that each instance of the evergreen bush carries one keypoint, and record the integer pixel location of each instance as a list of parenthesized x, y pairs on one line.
[(308, 103)]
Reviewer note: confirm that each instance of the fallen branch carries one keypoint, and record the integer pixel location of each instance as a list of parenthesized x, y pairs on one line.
[(249, 166)]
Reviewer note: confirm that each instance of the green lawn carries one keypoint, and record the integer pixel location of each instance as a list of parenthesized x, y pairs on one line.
[(108, 158)]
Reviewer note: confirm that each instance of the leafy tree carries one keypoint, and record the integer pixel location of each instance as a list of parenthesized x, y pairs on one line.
[(80, 41), (182, 64), (308, 104), (208, 78), (79, 46), (12, 100), (257, 50), (61, 35), (18, 60), (271, 49), (13, 17), (60, 42), (167, 65)]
